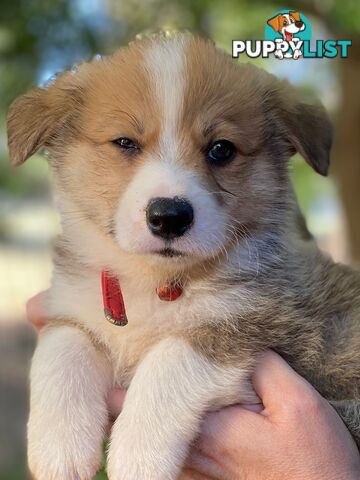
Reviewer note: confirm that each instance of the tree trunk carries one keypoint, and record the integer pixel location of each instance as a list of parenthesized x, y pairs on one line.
[(346, 152)]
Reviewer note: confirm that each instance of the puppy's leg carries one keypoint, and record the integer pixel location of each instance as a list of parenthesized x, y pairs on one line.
[(68, 413), (170, 392), (349, 411)]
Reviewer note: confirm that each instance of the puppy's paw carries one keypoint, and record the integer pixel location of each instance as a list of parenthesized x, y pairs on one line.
[(122, 470), (58, 463), (48, 471), (126, 465), (279, 54), (129, 462), (63, 452)]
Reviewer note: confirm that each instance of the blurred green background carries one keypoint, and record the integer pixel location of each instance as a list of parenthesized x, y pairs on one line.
[(39, 38)]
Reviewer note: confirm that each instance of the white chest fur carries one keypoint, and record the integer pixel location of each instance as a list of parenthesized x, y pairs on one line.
[(150, 318)]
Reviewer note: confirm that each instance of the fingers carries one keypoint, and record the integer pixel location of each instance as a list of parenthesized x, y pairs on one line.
[(199, 467), (35, 310), (223, 422), (190, 474), (227, 429), (115, 402), (253, 407), (277, 383)]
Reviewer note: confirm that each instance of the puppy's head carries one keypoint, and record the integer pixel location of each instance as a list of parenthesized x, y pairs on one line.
[(169, 147), (287, 24)]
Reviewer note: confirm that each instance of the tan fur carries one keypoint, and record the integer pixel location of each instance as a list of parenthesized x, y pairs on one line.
[(275, 23), (295, 15), (262, 284)]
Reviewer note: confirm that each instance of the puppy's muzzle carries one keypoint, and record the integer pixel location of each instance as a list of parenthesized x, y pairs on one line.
[(299, 24), (169, 218)]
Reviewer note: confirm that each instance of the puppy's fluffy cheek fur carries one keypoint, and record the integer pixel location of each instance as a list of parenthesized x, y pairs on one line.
[(161, 179), (93, 180)]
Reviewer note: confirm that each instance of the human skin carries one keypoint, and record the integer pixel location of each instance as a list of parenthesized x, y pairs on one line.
[(295, 434)]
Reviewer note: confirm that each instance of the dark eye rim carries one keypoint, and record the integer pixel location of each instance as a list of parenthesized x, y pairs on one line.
[(217, 162), (133, 147)]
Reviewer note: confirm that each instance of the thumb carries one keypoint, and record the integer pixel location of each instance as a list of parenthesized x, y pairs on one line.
[(277, 383), (35, 310)]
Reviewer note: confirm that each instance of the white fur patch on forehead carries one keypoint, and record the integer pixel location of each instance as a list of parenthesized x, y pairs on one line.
[(165, 64)]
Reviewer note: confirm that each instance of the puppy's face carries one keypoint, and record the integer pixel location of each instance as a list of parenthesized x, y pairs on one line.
[(170, 147), (287, 24), (290, 26)]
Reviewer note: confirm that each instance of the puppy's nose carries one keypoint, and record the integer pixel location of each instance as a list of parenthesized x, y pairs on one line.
[(169, 217), (299, 24)]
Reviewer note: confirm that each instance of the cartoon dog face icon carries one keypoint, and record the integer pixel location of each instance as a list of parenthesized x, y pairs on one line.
[(287, 24)]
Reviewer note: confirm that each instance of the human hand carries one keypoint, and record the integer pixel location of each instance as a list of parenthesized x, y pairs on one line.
[(297, 435)]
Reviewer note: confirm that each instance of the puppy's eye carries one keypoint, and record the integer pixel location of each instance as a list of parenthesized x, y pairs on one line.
[(126, 143), (285, 22), (221, 152)]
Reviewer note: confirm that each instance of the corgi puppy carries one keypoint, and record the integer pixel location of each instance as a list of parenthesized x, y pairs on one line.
[(170, 163)]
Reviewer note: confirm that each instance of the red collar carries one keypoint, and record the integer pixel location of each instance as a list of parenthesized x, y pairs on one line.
[(113, 300)]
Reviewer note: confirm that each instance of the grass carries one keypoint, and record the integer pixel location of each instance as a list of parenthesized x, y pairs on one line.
[(101, 475)]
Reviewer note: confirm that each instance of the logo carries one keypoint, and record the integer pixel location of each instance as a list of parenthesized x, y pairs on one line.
[(288, 31), (288, 36)]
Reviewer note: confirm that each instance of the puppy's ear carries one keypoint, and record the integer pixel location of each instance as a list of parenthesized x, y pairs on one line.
[(297, 125), (309, 132), (275, 23), (35, 119), (295, 15)]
